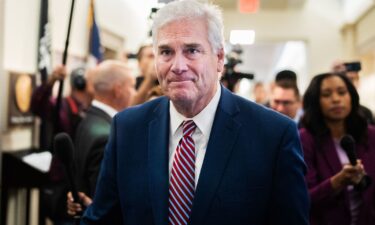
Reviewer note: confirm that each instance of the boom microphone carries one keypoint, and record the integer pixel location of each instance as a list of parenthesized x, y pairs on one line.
[(64, 148), (348, 144)]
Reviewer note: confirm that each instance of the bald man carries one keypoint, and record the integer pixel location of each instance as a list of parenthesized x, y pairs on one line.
[(113, 89)]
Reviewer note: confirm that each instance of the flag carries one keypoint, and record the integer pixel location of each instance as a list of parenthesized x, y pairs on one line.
[(95, 50), (44, 50)]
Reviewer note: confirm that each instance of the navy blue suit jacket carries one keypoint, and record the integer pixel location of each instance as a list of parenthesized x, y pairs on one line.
[(252, 173)]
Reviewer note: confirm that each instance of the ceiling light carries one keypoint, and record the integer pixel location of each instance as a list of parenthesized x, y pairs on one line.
[(242, 37)]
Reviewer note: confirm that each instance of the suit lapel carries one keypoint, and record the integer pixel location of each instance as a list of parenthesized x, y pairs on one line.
[(220, 145), (158, 162), (330, 155)]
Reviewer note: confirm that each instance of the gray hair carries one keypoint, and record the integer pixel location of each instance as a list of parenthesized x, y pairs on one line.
[(191, 9), (107, 74)]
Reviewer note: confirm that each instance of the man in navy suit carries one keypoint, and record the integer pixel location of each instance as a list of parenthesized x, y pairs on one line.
[(200, 155)]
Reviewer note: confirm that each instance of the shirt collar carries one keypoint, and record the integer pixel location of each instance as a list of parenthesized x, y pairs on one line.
[(203, 120), (106, 108)]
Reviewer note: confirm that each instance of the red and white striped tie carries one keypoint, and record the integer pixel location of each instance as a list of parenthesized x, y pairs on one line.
[(182, 181)]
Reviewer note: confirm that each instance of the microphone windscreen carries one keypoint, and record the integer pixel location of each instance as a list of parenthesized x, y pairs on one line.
[(63, 147), (348, 144)]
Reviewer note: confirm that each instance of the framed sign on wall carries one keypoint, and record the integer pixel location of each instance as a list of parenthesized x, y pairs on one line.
[(21, 86)]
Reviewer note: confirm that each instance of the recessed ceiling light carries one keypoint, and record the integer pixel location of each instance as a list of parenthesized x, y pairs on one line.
[(242, 37)]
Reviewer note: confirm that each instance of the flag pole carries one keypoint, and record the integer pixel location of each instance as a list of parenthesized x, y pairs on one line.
[(44, 51), (61, 82)]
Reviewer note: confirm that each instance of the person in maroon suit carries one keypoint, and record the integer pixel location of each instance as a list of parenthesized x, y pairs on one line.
[(331, 106)]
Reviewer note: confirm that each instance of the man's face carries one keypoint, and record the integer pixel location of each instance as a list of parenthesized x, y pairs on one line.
[(187, 68), (285, 101), (260, 94), (147, 57)]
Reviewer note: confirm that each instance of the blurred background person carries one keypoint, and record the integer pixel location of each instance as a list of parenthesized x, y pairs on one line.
[(72, 107), (72, 110), (351, 70), (285, 98), (147, 80), (283, 76), (113, 90), (113, 86), (155, 92), (260, 93), (331, 110), (145, 56), (286, 75)]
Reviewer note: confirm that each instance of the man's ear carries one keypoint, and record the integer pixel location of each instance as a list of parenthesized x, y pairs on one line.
[(220, 63), (117, 90)]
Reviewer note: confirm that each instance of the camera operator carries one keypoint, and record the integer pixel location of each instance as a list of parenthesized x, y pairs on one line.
[(230, 76)]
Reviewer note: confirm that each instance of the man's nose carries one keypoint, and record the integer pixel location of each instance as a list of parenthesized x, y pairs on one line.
[(280, 108), (179, 64)]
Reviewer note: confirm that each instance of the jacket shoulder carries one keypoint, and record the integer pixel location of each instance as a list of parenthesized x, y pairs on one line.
[(94, 125), (259, 114), (142, 112)]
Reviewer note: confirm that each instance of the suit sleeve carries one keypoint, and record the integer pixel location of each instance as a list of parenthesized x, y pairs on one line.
[(41, 104), (290, 201), (94, 160), (105, 208)]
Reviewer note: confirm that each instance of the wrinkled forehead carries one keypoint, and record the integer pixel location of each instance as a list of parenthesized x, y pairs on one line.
[(183, 32), (185, 26)]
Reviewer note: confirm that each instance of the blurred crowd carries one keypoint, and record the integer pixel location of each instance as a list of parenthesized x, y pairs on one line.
[(328, 110)]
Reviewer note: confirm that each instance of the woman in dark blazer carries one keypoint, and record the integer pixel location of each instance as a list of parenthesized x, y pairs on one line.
[(331, 106)]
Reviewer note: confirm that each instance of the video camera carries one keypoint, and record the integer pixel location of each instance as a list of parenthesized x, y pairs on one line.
[(231, 76)]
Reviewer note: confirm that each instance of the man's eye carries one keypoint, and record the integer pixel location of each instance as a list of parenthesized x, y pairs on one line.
[(192, 51), (165, 52)]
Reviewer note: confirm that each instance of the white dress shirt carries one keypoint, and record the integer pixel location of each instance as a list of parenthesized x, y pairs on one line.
[(204, 121)]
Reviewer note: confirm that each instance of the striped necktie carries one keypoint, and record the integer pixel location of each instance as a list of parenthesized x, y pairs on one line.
[(182, 181)]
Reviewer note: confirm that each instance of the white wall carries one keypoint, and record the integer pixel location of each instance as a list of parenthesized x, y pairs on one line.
[(59, 12), (318, 23), (21, 22), (20, 35), (367, 92), (365, 46), (2, 87), (365, 32), (128, 18), (3, 84)]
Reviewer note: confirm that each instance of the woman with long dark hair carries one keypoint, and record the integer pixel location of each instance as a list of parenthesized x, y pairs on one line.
[(340, 193)]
